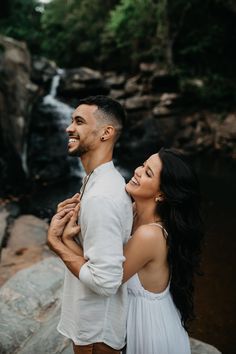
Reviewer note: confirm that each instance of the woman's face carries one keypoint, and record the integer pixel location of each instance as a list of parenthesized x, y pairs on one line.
[(145, 184)]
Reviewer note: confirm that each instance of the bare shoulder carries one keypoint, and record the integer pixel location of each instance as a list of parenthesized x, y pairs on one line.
[(151, 234)]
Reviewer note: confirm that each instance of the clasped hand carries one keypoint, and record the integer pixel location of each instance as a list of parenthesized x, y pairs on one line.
[(64, 225)]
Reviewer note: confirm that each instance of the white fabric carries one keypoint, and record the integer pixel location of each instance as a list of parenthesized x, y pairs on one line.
[(153, 324), (94, 307)]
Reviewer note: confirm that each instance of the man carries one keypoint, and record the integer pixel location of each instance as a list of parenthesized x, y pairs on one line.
[(94, 304)]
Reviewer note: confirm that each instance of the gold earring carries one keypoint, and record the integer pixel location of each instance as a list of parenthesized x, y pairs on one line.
[(158, 199)]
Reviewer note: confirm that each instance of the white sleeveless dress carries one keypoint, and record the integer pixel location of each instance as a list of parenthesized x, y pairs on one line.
[(153, 323)]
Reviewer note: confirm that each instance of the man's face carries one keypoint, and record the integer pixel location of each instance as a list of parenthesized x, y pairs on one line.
[(83, 131)]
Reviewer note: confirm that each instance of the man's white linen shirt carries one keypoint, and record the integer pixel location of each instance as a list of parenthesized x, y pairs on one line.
[(94, 307)]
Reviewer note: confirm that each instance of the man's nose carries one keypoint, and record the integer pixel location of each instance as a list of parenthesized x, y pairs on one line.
[(70, 129)]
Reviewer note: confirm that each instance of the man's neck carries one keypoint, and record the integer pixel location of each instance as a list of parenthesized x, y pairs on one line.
[(92, 161)]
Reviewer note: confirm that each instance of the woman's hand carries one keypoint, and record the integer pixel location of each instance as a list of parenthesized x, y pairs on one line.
[(69, 203)]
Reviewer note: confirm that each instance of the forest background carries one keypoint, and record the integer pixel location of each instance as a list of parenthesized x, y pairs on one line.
[(192, 41), (191, 38)]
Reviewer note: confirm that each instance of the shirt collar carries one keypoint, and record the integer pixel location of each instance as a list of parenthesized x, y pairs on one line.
[(103, 168)]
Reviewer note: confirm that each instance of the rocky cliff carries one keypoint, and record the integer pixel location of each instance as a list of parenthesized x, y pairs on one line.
[(16, 98)]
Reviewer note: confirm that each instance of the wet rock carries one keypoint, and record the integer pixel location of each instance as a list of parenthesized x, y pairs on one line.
[(29, 305), (4, 213), (82, 82), (140, 102), (30, 310), (117, 94), (17, 93), (133, 85), (169, 99), (163, 82), (228, 127), (26, 246), (185, 135), (43, 70), (27, 231), (147, 68), (161, 111), (198, 347), (115, 81)]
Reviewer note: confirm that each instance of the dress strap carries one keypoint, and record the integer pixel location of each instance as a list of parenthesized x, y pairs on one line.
[(159, 225)]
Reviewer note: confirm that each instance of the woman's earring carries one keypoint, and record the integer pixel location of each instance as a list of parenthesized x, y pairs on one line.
[(102, 138), (156, 199)]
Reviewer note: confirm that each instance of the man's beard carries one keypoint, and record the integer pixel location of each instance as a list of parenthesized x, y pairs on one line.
[(79, 152)]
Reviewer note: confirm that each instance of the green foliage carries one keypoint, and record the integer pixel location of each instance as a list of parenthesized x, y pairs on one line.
[(130, 34), (73, 30), (193, 38), (204, 37), (22, 22)]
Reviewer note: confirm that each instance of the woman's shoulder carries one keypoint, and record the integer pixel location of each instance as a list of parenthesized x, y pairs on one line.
[(150, 232)]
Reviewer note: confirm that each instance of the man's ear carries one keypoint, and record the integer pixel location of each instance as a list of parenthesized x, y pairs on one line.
[(108, 133)]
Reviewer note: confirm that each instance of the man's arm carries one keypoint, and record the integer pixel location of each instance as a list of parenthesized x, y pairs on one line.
[(103, 246)]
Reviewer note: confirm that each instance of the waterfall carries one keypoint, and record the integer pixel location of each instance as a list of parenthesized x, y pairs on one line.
[(63, 110), (48, 138)]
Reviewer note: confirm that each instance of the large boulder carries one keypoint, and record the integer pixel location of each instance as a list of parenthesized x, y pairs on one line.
[(16, 97), (30, 310), (82, 82), (25, 244)]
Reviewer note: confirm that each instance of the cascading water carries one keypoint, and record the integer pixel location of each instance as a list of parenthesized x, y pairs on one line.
[(47, 146)]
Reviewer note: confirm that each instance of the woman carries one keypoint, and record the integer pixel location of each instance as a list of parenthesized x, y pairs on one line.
[(162, 255)]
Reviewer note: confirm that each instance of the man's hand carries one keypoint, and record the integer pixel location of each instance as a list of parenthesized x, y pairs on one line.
[(69, 203), (72, 229), (71, 256), (57, 227)]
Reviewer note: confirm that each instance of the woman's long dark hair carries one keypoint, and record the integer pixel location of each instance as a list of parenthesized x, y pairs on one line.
[(180, 213)]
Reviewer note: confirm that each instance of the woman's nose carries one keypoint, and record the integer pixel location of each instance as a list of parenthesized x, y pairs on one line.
[(137, 171)]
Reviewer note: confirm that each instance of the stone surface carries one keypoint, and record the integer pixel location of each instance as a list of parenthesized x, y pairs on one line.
[(81, 82), (3, 224), (26, 246), (16, 97), (140, 102), (27, 231), (43, 70), (30, 307), (198, 347)]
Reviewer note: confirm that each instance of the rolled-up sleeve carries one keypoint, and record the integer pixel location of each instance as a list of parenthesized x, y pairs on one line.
[(103, 245)]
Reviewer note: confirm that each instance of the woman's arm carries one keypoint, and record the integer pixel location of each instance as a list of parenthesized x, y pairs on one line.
[(142, 248)]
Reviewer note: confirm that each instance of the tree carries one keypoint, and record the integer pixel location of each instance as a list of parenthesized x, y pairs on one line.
[(72, 30), (130, 34), (22, 22)]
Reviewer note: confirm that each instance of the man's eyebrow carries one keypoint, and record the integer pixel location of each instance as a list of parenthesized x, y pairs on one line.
[(78, 118)]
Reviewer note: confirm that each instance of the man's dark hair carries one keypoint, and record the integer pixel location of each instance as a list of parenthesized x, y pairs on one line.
[(109, 110)]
